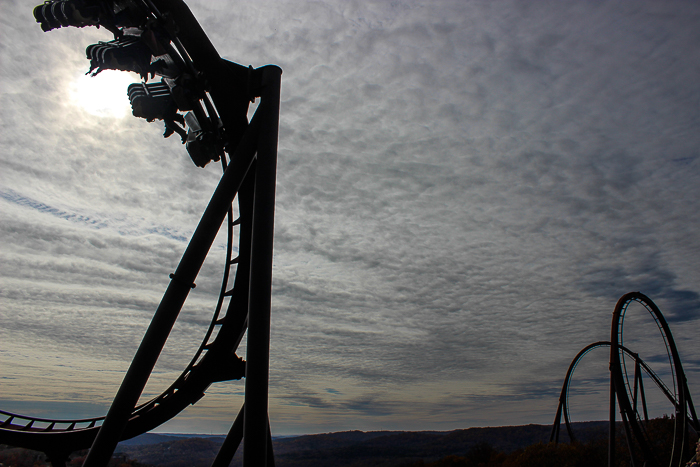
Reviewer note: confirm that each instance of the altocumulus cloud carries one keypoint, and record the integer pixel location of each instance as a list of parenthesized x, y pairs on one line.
[(464, 191)]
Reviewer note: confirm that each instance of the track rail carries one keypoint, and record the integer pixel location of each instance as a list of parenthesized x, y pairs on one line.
[(213, 361), (620, 382), (563, 408)]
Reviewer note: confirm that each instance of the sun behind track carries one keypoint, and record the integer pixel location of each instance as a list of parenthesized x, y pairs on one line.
[(103, 95)]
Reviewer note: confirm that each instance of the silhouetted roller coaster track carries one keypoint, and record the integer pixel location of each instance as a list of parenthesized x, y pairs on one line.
[(162, 37), (628, 391), (638, 394), (213, 361), (632, 421)]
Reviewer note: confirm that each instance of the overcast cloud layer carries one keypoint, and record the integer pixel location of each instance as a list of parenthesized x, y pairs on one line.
[(465, 189)]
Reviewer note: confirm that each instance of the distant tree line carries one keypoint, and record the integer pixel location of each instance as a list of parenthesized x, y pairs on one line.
[(591, 454), (20, 457), (474, 447)]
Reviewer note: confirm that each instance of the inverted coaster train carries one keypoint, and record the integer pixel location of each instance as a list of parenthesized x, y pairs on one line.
[(162, 38)]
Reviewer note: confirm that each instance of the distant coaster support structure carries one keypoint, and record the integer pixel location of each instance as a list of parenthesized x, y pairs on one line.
[(629, 397), (162, 38)]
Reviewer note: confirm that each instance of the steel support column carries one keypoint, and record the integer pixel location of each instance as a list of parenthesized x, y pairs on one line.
[(255, 420), (613, 416), (231, 443)]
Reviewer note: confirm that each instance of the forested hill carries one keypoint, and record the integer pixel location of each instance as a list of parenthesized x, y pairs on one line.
[(352, 448)]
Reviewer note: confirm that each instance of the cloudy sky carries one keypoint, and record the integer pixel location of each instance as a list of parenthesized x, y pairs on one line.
[(465, 189)]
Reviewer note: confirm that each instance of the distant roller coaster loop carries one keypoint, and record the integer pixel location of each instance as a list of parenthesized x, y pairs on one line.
[(623, 391), (627, 392), (563, 408)]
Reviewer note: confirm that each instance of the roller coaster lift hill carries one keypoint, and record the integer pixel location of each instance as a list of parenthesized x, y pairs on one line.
[(204, 99)]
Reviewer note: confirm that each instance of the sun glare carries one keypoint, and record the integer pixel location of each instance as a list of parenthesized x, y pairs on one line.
[(103, 95)]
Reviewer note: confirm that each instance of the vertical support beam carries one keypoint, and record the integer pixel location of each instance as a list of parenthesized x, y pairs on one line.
[(554, 436), (231, 443), (637, 379), (270, 451), (691, 407), (255, 421), (643, 397), (613, 416)]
